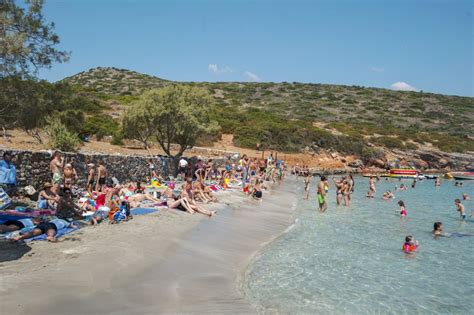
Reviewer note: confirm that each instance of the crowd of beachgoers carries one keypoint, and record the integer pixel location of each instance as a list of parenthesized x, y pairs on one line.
[(64, 204), (344, 188)]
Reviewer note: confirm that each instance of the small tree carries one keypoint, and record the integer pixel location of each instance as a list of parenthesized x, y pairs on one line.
[(60, 137), (175, 114)]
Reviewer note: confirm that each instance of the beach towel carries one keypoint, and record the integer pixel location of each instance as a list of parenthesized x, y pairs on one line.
[(59, 234), (5, 200), (142, 211), (28, 213)]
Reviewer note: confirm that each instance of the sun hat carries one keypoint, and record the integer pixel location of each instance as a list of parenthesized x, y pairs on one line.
[(47, 185)]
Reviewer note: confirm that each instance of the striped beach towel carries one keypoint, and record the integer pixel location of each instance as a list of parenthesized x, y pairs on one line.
[(5, 200)]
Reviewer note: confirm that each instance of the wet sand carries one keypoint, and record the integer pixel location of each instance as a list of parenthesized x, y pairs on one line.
[(190, 266)]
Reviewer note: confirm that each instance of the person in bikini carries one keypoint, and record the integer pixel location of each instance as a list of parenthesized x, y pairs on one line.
[(460, 209), (339, 188), (175, 202)]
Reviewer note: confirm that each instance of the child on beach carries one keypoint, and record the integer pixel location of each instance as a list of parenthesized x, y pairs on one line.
[(410, 245), (460, 209), (403, 210)]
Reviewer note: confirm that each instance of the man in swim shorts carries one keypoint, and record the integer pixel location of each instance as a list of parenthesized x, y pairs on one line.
[(322, 191), (56, 166), (101, 177)]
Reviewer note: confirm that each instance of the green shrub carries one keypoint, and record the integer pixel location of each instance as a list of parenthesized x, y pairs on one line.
[(60, 137), (101, 126), (389, 142)]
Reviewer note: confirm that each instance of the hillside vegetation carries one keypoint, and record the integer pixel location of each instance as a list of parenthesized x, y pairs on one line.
[(296, 116)]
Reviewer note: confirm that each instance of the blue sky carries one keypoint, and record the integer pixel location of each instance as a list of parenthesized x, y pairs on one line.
[(412, 44)]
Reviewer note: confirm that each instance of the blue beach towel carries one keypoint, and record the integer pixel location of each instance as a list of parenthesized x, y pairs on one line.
[(59, 234), (142, 211)]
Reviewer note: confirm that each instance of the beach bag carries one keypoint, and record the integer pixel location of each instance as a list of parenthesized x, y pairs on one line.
[(5, 200)]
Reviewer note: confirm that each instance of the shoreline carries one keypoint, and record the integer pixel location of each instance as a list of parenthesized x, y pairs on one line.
[(171, 262)]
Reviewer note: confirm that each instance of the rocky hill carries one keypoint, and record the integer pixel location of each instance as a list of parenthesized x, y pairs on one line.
[(115, 81), (379, 117)]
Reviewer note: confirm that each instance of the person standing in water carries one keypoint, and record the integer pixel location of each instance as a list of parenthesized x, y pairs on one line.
[(372, 190), (351, 184), (460, 208), (339, 189), (322, 192), (306, 186), (437, 182)]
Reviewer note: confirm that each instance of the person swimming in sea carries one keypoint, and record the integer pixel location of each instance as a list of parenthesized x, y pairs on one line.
[(438, 231), (410, 245), (460, 209), (465, 196), (388, 195), (403, 210)]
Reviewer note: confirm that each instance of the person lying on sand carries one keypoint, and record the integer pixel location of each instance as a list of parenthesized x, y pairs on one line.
[(50, 228), (16, 225), (136, 199)]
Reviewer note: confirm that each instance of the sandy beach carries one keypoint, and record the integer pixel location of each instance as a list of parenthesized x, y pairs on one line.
[(165, 262)]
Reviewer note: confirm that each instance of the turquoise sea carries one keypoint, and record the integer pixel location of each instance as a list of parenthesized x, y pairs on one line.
[(349, 260)]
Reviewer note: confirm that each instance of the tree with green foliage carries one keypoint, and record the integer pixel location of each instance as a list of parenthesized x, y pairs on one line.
[(175, 114), (27, 40), (137, 125), (60, 137)]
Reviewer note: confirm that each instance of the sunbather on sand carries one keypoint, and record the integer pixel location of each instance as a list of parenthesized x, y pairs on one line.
[(174, 202), (136, 199), (198, 192), (47, 198), (187, 194), (50, 228), (15, 225)]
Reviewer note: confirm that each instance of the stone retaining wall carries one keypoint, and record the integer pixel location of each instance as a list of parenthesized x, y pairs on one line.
[(33, 167)]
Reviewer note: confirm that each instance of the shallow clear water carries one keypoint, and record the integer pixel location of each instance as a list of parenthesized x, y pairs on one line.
[(349, 260)]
